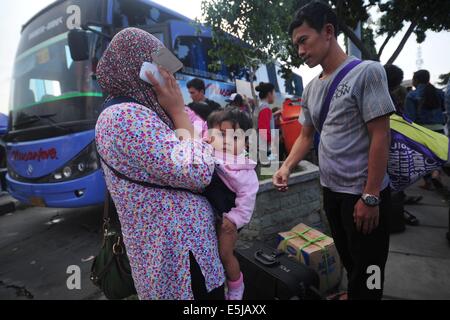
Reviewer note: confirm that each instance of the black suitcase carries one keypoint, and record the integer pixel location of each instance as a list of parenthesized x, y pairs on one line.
[(271, 275)]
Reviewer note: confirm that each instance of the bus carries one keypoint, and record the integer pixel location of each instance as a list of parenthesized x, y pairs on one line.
[(55, 100)]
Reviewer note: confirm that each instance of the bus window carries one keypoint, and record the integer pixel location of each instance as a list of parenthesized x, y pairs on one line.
[(191, 52), (45, 89), (194, 53), (132, 13), (160, 36), (47, 80)]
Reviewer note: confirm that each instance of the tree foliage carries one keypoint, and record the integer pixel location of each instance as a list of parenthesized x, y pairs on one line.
[(443, 79), (261, 25)]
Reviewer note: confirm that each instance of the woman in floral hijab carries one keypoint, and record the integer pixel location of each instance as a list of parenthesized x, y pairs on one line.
[(169, 234)]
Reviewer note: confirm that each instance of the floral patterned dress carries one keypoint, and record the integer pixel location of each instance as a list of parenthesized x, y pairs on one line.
[(160, 227)]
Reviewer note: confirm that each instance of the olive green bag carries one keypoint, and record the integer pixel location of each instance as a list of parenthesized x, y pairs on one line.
[(111, 270)]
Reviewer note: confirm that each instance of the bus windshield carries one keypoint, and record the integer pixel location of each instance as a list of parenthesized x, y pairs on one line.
[(47, 81)]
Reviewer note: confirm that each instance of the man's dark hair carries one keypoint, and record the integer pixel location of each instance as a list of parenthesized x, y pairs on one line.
[(422, 76), (394, 75), (317, 14), (197, 84), (232, 114)]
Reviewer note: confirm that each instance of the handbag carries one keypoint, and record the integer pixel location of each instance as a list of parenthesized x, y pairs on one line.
[(111, 270), (414, 152)]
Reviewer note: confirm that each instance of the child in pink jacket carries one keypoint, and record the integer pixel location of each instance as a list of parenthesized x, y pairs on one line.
[(233, 189)]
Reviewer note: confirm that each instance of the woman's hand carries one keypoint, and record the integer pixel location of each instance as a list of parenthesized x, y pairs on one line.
[(169, 95)]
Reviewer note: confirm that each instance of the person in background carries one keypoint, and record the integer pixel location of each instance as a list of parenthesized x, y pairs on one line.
[(398, 95), (425, 107), (277, 121), (236, 100), (263, 118), (397, 91), (201, 105)]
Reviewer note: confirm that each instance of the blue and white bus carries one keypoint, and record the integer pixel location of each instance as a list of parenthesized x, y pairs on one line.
[(55, 101)]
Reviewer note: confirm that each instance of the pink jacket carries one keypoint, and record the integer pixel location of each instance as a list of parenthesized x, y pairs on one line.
[(240, 177)]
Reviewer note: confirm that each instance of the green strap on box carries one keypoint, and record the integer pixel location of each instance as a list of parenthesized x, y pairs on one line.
[(309, 242)]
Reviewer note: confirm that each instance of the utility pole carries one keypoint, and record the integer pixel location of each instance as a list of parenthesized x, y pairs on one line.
[(419, 61), (351, 48)]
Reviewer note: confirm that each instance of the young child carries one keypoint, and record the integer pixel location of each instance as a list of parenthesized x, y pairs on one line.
[(235, 175)]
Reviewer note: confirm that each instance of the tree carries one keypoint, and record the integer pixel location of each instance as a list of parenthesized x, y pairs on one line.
[(261, 25), (420, 14), (444, 79)]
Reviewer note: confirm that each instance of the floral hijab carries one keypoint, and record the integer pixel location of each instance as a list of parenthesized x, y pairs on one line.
[(118, 69)]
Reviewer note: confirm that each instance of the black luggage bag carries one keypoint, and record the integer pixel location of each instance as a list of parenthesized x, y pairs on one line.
[(271, 275)]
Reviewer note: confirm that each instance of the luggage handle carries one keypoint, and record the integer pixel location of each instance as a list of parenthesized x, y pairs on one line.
[(266, 259)]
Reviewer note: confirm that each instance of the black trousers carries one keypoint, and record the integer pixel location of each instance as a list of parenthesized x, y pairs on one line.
[(356, 250), (199, 286)]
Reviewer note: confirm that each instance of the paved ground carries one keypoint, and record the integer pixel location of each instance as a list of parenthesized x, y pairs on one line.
[(38, 244), (418, 266), (419, 261)]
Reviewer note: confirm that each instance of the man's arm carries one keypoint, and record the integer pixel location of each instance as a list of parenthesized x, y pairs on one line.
[(301, 147), (379, 134), (367, 218)]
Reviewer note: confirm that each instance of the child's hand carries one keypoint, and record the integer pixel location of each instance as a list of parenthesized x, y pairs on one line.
[(208, 140), (228, 226)]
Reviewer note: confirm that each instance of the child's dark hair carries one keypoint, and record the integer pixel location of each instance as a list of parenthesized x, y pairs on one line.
[(231, 114), (264, 89), (317, 14)]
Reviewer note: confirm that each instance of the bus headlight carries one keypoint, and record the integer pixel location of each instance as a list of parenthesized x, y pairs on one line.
[(81, 167), (67, 172), (84, 163)]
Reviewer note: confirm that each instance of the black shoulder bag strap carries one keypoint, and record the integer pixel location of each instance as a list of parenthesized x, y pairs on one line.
[(337, 80)]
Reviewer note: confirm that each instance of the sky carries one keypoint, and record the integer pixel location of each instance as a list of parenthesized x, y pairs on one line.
[(435, 49)]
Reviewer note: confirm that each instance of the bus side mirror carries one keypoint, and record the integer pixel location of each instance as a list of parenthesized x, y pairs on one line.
[(78, 45)]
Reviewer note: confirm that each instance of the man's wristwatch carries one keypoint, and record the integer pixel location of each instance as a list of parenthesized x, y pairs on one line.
[(370, 200)]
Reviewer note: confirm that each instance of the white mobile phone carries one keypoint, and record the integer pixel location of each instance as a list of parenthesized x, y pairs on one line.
[(167, 60), (153, 69)]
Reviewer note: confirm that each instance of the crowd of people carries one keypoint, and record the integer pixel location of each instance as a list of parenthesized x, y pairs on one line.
[(180, 237)]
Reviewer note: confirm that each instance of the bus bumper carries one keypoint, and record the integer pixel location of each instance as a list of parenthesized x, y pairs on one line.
[(86, 191)]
